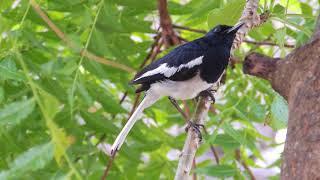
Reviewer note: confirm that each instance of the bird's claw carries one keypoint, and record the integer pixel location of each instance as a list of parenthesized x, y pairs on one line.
[(208, 93), (196, 127)]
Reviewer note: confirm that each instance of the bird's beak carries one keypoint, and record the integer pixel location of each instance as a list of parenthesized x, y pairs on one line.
[(235, 28)]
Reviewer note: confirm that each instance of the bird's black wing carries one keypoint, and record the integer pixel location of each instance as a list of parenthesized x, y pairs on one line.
[(180, 64)]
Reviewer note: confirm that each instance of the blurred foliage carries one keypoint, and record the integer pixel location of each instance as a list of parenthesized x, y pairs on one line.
[(59, 110)]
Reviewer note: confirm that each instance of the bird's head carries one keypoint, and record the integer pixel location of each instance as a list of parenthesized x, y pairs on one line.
[(224, 34)]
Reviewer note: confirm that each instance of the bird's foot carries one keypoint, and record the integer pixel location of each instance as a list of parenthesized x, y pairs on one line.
[(196, 128), (208, 93)]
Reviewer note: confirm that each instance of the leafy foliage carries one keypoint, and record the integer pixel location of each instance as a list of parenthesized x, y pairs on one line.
[(218, 171), (59, 109)]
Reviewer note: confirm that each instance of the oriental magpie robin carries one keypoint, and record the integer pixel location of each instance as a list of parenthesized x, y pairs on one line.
[(185, 72)]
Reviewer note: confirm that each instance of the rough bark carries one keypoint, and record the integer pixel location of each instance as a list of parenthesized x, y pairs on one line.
[(297, 79)]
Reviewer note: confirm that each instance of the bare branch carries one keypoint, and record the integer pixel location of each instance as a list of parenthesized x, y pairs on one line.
[(192, 141), (190, 29), (264, 43), (72, 45), (108, 166), (259, 65), (213, 150), (244, 164), (250, 19), (169, 36), (152, 51)]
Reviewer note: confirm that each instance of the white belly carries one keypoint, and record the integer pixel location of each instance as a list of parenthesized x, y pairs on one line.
[(180, 89)]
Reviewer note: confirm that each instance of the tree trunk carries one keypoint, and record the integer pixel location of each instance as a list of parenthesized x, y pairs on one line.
[(297, 79)]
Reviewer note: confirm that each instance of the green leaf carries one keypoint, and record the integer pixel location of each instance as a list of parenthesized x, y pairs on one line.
[(221, 171), (50, 103), (294, 24), (13, 113), (306, 9), (279, 10), (109, 103), (60, 140), (280, 36), (8, 70), (176, 8), (228, 15), (226, 141), (279, 113), (59, 137), (35, 158), (234, 133), (98, 123), (2, 94)]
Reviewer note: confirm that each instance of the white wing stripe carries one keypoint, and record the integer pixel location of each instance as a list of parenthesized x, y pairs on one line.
[(169, 71), (192, 63)]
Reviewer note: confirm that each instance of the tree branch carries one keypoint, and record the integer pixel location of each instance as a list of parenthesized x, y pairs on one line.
[(264, 43), (72, 45), (259, 65), (189, 29), (192, 141), (267, 68), (279, 72), (250, 19), (169, 36), (297, 79), (245, 166)]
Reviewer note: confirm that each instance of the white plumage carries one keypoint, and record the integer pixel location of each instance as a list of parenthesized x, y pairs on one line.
[(169, 71), (180, 89)]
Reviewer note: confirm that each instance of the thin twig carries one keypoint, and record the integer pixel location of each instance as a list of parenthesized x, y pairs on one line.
[(135, 103), (153, 46), (246, 41), (183, 39), (186, 108), (72, 45), (213, 150), (189, 29), (169, 36), (245, 166), (264, 43), (109, 165), (233, 61), (156, 50), (184, 115), (125, 94)]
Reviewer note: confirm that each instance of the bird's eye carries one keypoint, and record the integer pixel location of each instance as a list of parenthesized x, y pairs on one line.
[(217, 29)]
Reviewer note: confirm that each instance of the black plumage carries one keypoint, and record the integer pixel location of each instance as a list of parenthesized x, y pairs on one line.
[(184, 73), (214, 47)]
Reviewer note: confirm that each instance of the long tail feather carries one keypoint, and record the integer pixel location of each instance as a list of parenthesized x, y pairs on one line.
[(147, 101)]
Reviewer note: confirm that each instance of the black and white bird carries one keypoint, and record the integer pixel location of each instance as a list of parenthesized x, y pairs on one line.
[(183, 73)]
